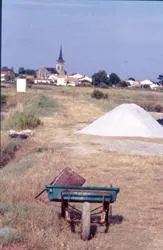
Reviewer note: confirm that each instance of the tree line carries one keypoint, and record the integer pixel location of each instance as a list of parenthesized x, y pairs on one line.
[(101, 79)]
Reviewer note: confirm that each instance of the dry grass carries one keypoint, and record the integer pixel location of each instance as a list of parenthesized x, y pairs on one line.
[(139, 178)]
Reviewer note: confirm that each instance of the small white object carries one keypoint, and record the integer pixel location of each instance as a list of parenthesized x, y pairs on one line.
[(21, 85)]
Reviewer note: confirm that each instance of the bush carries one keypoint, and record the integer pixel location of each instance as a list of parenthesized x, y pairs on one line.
[(123, 84), (103, 85), (24, 120), (98, 94), (150, 107), (7, 153), (3, 99), (40, 104)]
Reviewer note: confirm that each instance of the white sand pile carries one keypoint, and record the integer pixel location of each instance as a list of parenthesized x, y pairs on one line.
[(125, 120)]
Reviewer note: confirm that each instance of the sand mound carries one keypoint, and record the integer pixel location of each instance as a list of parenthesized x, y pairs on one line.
[(125, 120)]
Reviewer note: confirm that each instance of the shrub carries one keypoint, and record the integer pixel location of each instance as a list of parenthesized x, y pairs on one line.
[(123, 84), (3, 99), (98, 94), (40, 104), (8, 152), (24, 120), (150, 107)]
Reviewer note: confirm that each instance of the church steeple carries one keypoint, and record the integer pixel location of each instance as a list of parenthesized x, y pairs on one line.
[(60, 58), (60, 63)]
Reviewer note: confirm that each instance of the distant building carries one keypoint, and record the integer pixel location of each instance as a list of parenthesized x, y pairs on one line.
[(44, 73), (146, 82), (60, 64), (7, 76), (41, 81), (58, 75)]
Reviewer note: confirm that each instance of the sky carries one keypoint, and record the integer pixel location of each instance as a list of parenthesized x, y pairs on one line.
[(124, 37)]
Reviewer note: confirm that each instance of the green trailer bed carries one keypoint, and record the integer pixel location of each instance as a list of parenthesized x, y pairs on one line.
[(85, 195)]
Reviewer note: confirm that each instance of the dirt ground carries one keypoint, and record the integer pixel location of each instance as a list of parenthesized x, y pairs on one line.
[(134, 165)]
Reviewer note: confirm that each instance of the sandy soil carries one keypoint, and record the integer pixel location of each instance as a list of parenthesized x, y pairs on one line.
[(128, 164), (134, 165)]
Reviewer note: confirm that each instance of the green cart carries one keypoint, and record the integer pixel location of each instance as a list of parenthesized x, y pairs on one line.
[(85, 195)]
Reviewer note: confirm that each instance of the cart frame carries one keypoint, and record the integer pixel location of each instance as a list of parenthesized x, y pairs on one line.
[(86, 195)]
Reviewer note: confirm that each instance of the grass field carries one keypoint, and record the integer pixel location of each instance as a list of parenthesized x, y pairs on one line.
[(55, 146)]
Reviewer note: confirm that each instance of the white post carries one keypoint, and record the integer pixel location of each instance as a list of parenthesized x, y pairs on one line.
[(21, 85)]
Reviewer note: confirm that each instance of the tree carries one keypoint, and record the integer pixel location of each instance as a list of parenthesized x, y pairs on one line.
[(100, 78), (21, 71), (30, 72), (5, 68), (131, 79), (160, 78), (114, 79), (123, 84)]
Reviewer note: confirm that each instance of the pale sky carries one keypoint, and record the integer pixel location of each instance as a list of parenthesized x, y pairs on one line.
[(125, 37)]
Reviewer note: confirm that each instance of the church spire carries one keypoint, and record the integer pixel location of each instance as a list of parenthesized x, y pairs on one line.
[(60, 58), (60, 63)]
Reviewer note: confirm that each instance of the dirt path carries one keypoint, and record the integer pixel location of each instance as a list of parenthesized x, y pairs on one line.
[(135, 166)]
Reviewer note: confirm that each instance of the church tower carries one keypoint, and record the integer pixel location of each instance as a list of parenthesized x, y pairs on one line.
[(60, 63)]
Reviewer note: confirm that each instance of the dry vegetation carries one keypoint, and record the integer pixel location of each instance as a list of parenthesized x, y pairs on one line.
[(55, 146)]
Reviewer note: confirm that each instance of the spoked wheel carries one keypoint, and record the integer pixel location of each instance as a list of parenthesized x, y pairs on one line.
[(86, 221)]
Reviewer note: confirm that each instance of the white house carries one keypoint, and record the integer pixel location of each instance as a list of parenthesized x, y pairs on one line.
[(146, 82), (61, 81), (154, 86), (38, 80), (86, 79), (77, 76)]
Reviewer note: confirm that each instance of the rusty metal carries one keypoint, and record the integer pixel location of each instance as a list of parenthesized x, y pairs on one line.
[(66, 177), (69, 177)]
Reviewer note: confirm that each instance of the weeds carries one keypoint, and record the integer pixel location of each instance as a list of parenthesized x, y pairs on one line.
[(24, 120), (7, 153), (98, 94), (11, 237), (152, 107), (3, 99), (40, 105)]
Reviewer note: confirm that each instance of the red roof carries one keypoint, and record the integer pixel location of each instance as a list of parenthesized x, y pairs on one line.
[(8, 73)]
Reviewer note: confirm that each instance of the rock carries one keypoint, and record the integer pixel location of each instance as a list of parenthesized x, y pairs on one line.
[(23, 134)]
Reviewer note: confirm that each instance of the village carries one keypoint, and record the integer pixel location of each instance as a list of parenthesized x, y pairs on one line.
[(58, 76)]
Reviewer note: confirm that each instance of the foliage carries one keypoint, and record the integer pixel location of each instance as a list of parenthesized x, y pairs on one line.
[(40, 104), (24, 120), (151, 107), (123, 84), (160, 78), (3, 99), (8, 152), (23, 71), (98, 94), (100, 78), (114, 79), (131, 79), (5, 68)]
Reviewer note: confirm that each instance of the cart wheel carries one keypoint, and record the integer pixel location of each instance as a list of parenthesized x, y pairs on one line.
[(86, 221)]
